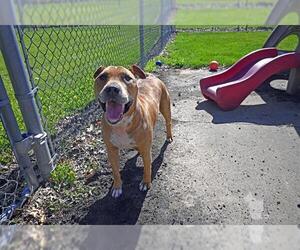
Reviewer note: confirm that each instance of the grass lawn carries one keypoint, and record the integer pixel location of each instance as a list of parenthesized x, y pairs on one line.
[(227, 13), (195, 50), (228, 17)]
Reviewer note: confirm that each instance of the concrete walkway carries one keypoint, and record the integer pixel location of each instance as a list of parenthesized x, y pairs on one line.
[(238, 167)]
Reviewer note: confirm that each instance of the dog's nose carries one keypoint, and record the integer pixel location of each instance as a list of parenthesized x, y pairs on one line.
[(113, 90)]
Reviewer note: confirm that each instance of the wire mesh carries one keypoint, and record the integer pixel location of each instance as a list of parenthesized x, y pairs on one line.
[(93, 12), (13, 189), (10, 186), (62, 60)]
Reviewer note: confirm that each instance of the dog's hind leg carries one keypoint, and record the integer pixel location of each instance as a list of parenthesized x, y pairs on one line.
[(147, 160), (165, 109)]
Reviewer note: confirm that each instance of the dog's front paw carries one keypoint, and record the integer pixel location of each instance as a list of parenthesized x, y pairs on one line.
[(116, 192), (144, 186), (169, 139)]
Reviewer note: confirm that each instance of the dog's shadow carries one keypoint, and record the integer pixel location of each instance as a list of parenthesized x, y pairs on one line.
[(125, 209)]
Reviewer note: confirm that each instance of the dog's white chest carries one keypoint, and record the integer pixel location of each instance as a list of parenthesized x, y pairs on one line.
[(121, 139)]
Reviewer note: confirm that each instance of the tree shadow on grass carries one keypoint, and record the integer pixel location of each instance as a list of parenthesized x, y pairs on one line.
[(126, 209)]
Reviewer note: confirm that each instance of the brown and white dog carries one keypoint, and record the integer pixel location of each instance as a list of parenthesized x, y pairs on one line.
[(131, 102)]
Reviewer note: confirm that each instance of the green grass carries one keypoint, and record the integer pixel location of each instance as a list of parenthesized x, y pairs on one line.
[(206, 15), (227, 17), (63, 175), (195, 50)]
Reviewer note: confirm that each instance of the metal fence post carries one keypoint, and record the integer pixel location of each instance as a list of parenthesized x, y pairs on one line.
[(19, 144), (142, 35), (7, 14), (165, 11), (30, 74), (162, 40), (25, 97)]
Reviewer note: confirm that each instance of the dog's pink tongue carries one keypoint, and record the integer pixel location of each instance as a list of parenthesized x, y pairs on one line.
[(114, 111)]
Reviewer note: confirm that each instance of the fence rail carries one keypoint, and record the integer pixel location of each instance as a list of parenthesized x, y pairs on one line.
[(48, 77)]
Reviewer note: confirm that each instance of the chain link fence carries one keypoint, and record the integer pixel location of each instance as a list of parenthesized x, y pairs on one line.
[(60, 61)]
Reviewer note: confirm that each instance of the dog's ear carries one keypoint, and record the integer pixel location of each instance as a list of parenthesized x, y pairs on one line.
[(98, 72), (137, 71)]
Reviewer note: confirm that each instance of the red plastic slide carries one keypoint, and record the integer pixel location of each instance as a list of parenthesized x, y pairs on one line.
[(229, 88)]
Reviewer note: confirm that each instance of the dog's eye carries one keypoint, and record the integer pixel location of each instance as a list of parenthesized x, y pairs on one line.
[(127, 79), (103, 77)]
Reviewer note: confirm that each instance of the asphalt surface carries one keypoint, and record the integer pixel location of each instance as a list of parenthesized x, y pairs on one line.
[(238, 167)]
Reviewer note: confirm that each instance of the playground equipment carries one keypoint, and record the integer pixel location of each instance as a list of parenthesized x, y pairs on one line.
[(281, 9), (229, 88), (293, 75)]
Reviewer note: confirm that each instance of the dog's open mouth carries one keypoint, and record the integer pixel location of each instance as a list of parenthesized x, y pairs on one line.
[(114, 111)]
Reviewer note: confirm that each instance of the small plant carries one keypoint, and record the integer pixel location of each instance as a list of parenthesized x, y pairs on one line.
[(63, 175), (6, 156)]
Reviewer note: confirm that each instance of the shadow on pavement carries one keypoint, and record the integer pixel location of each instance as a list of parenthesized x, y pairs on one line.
[(274, 112), (126, 209)]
